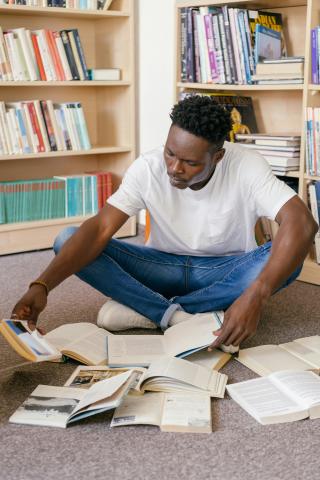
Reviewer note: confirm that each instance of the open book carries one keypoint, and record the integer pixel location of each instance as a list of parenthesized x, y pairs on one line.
[(167, 374), (301, 354), (58, 406), (214, 360), (172, 412), (84, 342), (178, 341), (281, 397)]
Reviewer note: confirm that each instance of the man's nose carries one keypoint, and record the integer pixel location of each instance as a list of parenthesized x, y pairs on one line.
[(177, 166)]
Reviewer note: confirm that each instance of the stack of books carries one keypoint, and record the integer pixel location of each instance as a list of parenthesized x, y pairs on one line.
[(47, 55), (284, 70), (58, 197), (222, 44), (282, 152), (38, 126), (76, 4), (312, 131)]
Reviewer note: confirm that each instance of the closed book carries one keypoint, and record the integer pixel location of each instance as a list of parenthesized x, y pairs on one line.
[(80, 53), (69, 54), (76, 56), (282, 161), (263, 68), (34, 39), (104, 74)]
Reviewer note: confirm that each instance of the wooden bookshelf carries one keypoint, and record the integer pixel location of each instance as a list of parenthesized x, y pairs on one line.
[(107, 38), (278, 108)]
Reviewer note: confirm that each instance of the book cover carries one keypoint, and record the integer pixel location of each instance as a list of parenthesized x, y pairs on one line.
[(267, 44), (272, 20)]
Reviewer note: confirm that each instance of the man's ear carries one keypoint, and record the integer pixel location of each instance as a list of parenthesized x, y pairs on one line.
[(219, 155)]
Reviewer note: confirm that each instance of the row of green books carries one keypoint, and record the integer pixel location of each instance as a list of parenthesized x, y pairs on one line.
[(57, 197)]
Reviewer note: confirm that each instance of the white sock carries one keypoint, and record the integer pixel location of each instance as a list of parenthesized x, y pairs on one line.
[(180, 316), (114, 316)]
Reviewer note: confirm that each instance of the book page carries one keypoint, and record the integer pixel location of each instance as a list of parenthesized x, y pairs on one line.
[(142, 410), (189, 335), (270, 358), (134, 349), (85, 340), (103, 390), (313, 342), (303, 352), (48, 406), (85, 377), (214, 360), (262, 399), (186, 412), (304, 387), (176, 371)]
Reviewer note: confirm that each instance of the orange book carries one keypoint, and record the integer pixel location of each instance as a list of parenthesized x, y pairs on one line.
[(50, 37), (38, 56)]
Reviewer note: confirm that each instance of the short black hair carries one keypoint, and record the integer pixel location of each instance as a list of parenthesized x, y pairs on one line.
[(201, 116)]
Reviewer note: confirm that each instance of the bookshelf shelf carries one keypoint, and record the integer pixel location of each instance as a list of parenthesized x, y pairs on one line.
[(108, 41), (39, 235), (78, 83), (247, 88), (278, 108), (68, 153), (60, 12)]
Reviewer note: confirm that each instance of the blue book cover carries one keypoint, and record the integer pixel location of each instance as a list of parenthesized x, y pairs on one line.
[(314, 56), (267, 44), (317, 188)]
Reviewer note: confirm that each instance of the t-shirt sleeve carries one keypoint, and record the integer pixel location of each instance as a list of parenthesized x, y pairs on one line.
[(129, 196), (267, 192)]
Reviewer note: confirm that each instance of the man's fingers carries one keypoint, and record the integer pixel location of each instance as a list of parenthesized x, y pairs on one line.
[(221, 338)]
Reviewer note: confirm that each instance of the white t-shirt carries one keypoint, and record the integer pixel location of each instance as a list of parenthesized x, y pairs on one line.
[(217, 220)]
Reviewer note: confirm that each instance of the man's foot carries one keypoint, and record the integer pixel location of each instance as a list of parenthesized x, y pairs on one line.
[(115, 317), (180, 316)]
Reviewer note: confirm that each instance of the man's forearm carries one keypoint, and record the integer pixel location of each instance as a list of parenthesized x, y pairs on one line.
[(84, 246), (289, 249)]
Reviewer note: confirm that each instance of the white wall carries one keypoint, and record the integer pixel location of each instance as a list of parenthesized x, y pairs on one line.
[(155, 71)]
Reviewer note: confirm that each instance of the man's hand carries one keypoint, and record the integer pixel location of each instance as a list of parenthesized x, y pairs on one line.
[(240, 320), (31, 305)]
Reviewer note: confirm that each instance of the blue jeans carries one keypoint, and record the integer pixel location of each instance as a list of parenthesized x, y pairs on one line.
[(156, 284)]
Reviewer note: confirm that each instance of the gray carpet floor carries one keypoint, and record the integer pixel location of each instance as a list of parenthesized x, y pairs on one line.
[(238, 448)]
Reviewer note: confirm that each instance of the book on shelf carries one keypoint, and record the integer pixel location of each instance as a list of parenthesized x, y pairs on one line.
[(290, 152), (315, 49), (280, 68), (104, 74), (284, 396), (65, 4), (271, 20), (280, 81), (277, 76), (52, 406), (312, 133), (43, 54), (39, 126), (172, 412), (264, 139), (278, 161), (314, 200), (267, 43), (180, 340), (166, 374), (84, 342), (282, 60), (300, 354), (241, 110)]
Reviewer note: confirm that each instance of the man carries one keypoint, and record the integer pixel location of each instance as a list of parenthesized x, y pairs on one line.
[(204, 196)]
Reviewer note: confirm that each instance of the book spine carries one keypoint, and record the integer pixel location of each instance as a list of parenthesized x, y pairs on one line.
[(81, 54), (229, 43), (62, 54), (245, 50), (75, 53), (45, 56), (191, 77), (224, 48), (235, 45), (54, 55), (5, 63), (241, 46), (314, 57), (183, 44), (196, 47), (214, 73), (24, 43), (69, 54), (36, 126), (49, 126), (202, 48), (218, 48), (42, 73)]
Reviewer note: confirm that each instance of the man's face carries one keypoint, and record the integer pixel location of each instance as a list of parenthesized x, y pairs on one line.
[(189, 160)]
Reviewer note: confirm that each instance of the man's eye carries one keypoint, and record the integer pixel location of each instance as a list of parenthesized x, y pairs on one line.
[(192, 164), (170, 154)]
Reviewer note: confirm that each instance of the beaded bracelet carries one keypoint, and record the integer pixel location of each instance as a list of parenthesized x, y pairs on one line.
[(39, 282)]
